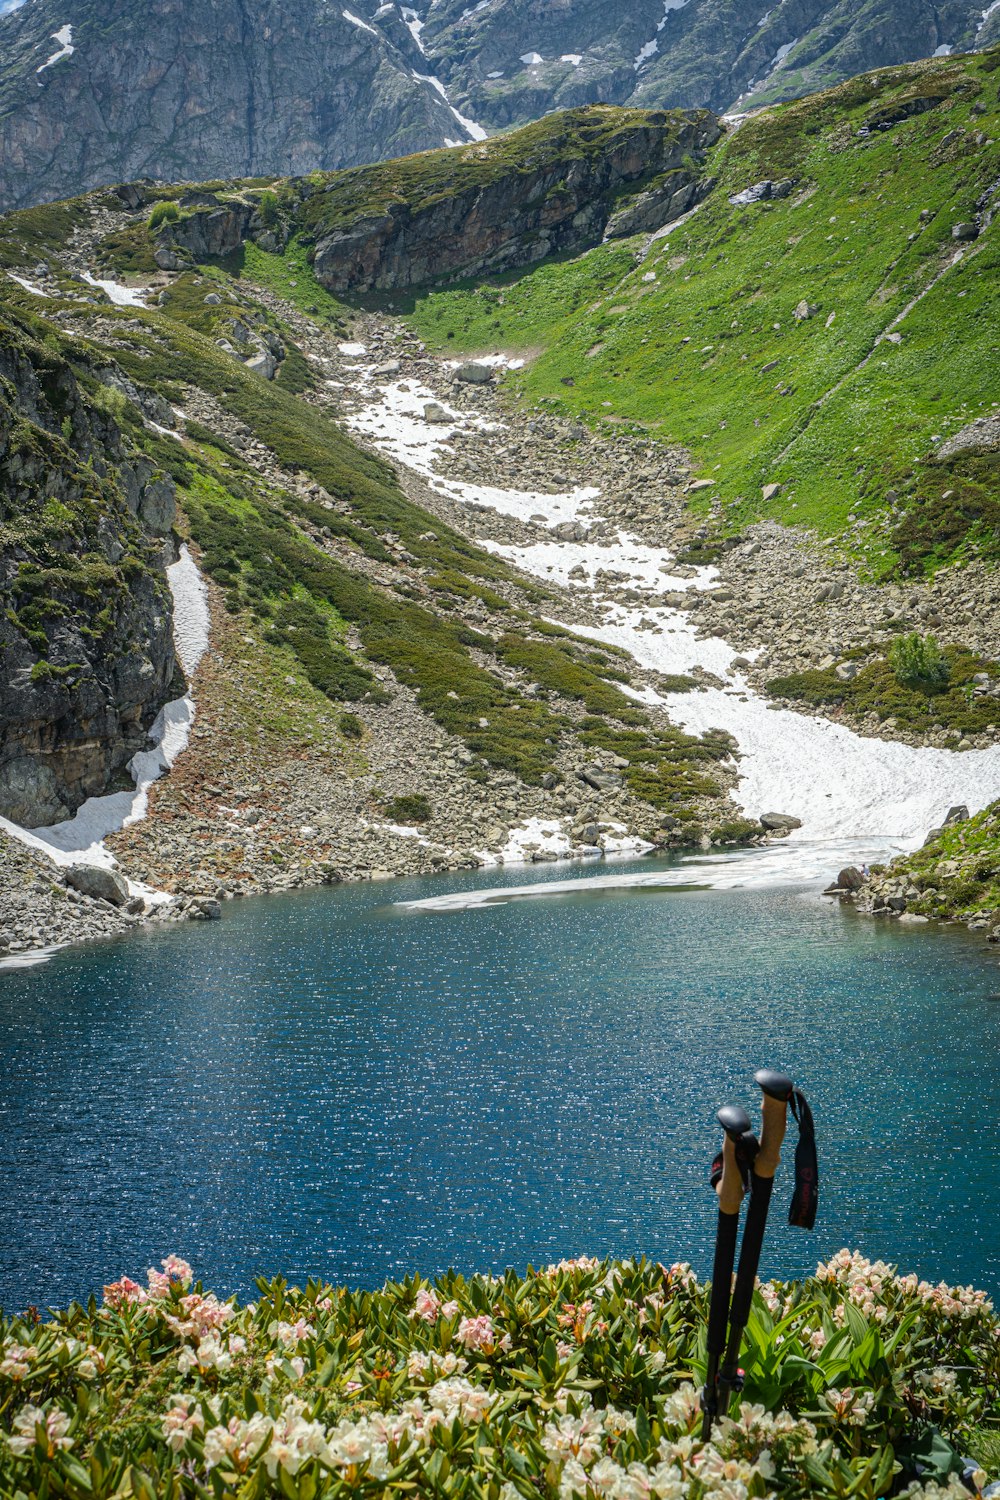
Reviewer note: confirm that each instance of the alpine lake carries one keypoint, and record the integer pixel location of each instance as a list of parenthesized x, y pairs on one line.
[(331, 1084)]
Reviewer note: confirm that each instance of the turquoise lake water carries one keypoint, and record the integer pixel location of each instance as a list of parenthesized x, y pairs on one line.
[(324, 1084)]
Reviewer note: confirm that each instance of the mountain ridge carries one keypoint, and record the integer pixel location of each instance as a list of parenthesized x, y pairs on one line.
[(188, 91)]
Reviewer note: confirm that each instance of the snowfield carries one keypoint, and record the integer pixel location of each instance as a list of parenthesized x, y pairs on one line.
[(859, 799)]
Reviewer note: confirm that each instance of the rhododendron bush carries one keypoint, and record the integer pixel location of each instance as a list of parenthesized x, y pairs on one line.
[(580, 1379)]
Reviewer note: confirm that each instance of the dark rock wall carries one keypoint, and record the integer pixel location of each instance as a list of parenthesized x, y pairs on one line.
[(86, 646)]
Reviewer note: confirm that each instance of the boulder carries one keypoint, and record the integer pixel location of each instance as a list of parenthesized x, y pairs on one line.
[(850, 879), (769, 491), (474, 374), (776, 822), (98, 883), (204, 909), (263, 363), (965, 231), (435, 412), (957, 814), (599, 779)]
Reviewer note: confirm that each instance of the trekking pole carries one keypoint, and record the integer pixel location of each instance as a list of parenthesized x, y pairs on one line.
[(777, 1090), (730, 1173)]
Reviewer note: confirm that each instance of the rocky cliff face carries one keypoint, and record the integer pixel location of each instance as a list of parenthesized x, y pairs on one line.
[(85, 636), (479, 210), (512, 59), (184, 90)]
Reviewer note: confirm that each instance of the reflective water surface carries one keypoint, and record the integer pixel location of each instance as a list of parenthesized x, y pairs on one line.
[(325, 1083)]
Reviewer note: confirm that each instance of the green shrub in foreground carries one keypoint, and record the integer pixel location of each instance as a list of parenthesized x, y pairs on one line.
[(578, 1379)]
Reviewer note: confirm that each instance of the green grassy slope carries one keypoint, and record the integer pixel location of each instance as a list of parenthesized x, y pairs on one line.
[(263, 545), (698, 341)]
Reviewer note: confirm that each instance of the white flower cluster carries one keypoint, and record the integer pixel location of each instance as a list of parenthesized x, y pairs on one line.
[(291, 1438)]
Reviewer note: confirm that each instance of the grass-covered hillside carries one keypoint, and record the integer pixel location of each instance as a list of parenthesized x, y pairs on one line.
[(577, 1380), (330, 571), (825, 341)]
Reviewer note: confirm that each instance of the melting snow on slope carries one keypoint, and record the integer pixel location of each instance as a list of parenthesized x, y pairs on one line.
[(349, 15), (413, 24), (121, 296), (844, 787), (989, 11), (29, 286), (475, 132), (64, 36), (79, 840)]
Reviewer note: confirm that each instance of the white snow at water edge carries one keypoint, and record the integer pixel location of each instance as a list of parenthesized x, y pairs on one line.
[(121, 296), (79, 840), (64, 36), (844, 787)]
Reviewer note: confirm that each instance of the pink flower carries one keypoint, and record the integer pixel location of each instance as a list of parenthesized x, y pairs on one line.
[(124, 1293), (478, 1333), (426, 1306)]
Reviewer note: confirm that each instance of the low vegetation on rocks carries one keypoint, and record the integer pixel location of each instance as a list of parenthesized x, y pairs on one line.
[(915, 686), (954, 877), (575, 1380)]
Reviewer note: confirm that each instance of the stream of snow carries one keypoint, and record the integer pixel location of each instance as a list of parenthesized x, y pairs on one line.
[(859, 799), (80, 839)]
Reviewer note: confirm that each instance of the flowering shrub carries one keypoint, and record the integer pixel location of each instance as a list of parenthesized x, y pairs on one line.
[(577, 1380)]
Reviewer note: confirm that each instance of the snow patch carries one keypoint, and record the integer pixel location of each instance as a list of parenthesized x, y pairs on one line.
[(783, 864), (349, 15), (121, 296), (64, 36), (883, 793), (782, 53), (576, 58), (945, 50), (531, 59), (989, 11), (645, 53), (191, 618), (80, 839), (413, 24), (668, 6), (474, 131), (29, 286), (353, 351)]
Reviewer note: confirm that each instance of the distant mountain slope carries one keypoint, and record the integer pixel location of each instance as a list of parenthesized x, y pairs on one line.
[(512, 59), (98, 91)]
